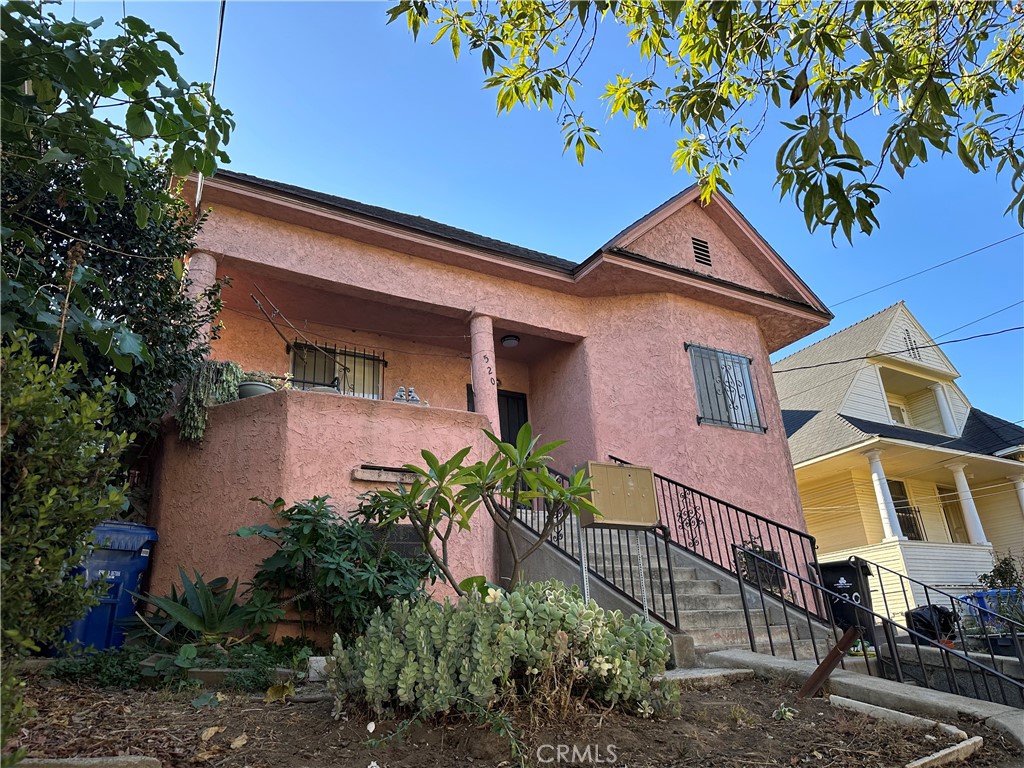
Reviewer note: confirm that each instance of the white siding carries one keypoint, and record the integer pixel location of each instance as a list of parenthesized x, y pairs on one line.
[(950, 567), (866, 398), (895, 343), (925, 497), (924, 411), (868, 503), (833, 514), (1001, 517), (960, 407)]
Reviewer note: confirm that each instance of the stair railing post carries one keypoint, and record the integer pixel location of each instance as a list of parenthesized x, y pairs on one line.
[(671, 576), (584, 570), (643, 581)]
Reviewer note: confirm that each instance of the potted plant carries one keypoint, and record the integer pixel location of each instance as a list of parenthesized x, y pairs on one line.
[(211, 382), (260, 383)]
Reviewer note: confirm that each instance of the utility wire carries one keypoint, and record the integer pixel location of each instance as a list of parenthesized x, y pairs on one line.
[(899, 351), (213, 86), (929, 269), (986, 317)]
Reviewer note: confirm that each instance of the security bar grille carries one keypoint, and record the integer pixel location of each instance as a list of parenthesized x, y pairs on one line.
[(725, 389), (351, 371)]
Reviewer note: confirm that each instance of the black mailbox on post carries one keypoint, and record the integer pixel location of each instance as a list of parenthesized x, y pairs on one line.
[(849, 580)]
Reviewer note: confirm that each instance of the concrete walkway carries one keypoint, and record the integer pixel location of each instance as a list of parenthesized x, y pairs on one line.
[(946, 707)]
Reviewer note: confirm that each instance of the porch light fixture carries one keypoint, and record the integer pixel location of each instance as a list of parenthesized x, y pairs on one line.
[(510, 341)]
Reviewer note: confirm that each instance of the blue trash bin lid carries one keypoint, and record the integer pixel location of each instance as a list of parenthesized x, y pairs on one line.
[(123, 536)]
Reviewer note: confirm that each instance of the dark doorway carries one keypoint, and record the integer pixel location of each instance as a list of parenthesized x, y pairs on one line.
[(511, 413)]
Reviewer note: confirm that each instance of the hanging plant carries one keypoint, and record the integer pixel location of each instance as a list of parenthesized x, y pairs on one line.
[(211, 383)]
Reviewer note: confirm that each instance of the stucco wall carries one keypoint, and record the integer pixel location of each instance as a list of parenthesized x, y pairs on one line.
[(671, 243), (294, 445), (614, 379)]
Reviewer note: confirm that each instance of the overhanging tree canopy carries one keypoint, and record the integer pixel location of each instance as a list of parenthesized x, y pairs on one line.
[(858, 85)]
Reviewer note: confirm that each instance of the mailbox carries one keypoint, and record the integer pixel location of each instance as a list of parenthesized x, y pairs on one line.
[(624, 495)]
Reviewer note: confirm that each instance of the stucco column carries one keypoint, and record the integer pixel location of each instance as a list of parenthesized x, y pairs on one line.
[(945, 412), (1018, 483), (485, 377), (200, 275), (886, 508), (974, 530)]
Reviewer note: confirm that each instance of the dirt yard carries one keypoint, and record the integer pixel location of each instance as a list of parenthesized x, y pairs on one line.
[(729, 728)]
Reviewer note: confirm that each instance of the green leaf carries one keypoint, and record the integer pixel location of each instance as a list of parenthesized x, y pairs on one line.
[(137, 122)]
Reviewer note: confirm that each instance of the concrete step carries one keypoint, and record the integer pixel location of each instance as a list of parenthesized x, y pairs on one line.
[(711, 618), (612, 568), (696, 602), (737, 637)]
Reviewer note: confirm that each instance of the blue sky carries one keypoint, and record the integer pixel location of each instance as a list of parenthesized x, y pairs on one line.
[(329, 97)]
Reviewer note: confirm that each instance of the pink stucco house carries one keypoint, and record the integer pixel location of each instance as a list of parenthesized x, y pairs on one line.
[(654, 349)]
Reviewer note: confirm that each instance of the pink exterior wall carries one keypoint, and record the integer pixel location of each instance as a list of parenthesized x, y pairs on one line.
[(294, 445), (609, 374)]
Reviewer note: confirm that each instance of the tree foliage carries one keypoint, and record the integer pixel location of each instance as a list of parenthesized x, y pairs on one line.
[(80, 116), (445, 494), (60, 461), (857, 85), (111, 271)]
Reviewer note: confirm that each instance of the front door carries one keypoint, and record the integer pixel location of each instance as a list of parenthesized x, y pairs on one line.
[(511, 413)]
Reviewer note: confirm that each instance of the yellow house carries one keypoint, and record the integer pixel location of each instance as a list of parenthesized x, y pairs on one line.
[(893, 464)]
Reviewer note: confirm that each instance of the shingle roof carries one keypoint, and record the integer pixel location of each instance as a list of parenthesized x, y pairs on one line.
[(983, 433), (417, 223), (810, 393)]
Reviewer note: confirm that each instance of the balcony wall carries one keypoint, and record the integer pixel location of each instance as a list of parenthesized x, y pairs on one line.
[(293, 445)]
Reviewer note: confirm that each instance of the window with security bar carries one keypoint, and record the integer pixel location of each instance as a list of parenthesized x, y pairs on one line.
[(726, 396), (356, 372)]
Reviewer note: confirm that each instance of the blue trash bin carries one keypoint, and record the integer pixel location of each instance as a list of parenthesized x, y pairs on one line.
[(120, 557)]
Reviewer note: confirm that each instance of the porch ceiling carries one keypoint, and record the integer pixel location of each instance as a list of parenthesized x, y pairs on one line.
[(348, 310), (901, 459)]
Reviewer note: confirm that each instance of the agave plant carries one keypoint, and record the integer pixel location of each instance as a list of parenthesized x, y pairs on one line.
[(209, 611)]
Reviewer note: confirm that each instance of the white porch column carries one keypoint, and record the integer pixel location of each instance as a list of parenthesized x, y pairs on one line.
[(485, 377), (200, 274), (942, 399), (1018, 483), (974, 530), (890, 522)]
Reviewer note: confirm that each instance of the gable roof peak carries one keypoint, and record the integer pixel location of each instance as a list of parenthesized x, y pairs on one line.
[(830, 339)]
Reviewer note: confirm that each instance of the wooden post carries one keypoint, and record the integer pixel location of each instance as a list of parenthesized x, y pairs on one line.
[(829, 663)]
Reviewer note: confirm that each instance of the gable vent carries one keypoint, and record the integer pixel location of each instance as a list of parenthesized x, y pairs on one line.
[(701, 251), (912, 349)]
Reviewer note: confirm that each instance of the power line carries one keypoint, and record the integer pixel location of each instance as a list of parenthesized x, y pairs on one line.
[(986, 317), (929, 269), (899, 351)]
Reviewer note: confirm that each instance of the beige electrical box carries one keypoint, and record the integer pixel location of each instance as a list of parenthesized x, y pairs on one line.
[(624, 495)]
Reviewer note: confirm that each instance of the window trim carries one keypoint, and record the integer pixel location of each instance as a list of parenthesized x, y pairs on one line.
[(749, 417)]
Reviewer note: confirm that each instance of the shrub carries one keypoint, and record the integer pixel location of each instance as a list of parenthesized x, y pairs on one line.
[(336, 572), (534, 644), (112, 668), (59, 461)]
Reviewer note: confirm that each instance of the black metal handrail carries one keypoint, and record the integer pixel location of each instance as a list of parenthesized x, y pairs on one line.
[(957, 672), (978, 636), (708, 527), (611, 558), (910, 522)]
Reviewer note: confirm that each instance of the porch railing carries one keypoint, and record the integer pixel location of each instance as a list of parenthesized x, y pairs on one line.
[(898, 652), (910, 522), (709, 527), (980, 631), (616, 558)]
